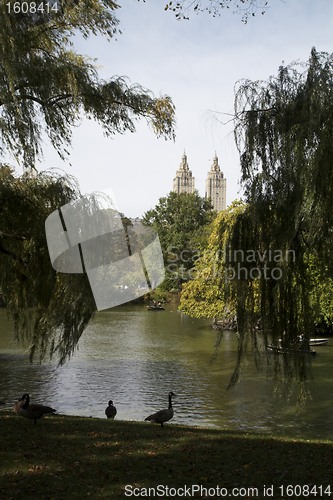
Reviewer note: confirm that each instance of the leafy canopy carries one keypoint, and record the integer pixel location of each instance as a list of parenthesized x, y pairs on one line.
[(284, 133), (181, 221), (45, 89), (50, 309), (46, 86), (210, 293), (279, 247)]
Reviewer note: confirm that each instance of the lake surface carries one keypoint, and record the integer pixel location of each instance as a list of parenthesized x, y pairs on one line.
[(135, 357)]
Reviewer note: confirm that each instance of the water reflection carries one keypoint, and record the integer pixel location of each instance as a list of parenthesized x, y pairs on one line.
[(135, 357)]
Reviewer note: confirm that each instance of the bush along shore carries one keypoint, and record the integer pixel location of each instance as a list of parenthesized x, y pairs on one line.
[(63, 457)]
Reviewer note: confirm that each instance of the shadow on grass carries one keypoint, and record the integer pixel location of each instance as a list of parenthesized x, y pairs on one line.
[(73, 457)]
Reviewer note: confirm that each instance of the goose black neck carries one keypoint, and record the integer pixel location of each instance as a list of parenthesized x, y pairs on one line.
[(26, 402), (170, 401)]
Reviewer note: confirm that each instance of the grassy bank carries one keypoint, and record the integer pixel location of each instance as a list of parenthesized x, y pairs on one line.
[(72, 457)]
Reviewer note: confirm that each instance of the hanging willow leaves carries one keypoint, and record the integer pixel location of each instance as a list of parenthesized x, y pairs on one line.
[(46, 86), (276, 251), (50, 310), (284, 133), (205, 296)]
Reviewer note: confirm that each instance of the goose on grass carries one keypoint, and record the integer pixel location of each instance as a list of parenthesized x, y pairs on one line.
[(32, 411), (162, 416), (110, 410)]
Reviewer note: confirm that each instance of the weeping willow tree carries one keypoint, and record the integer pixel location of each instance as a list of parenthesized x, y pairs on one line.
[(284, 133), (205, 295), (220, 275), (46, 87), (275, 266), (50, 310)]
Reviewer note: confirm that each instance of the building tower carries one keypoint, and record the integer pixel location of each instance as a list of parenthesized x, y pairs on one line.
[(216, 186), (184, 181)]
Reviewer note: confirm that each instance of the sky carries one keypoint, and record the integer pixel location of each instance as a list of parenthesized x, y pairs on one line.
[(197, 63)]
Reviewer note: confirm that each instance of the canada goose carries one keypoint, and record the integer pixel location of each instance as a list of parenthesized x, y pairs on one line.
[(110, 411), (162, 416), (25, 409)]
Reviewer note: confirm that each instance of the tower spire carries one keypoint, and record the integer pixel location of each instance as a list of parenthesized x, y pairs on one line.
[(215, 165), (216, 186), (184, 181), (184, 163)]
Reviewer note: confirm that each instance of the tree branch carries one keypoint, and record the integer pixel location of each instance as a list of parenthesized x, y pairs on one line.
[(13, 236)]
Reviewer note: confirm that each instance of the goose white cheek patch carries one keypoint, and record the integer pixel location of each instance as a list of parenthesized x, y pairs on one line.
[(123, 261)]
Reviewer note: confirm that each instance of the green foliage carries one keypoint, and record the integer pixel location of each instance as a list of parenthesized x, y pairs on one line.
[(181, 221), (210, 293), (45, 86), (321, 294), (284, 132), (159, 295), (45, 89), (49, 309), (279, 262)]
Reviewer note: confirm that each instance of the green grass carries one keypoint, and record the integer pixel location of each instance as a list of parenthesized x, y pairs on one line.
[(72, 457)]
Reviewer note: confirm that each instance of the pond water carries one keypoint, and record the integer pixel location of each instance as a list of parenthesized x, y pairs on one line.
[(135, 357)]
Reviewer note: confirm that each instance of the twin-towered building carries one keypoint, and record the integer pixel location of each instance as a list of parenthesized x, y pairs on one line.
[(216, 184)]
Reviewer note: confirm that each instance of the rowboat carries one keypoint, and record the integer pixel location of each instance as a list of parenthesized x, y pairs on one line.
[(315, 341), (290, 350), (318, 341), (155, 308)]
